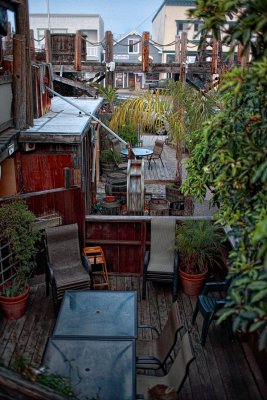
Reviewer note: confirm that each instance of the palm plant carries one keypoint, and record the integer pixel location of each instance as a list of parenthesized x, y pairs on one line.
[(110, 95), (181, 109), (200, 245)]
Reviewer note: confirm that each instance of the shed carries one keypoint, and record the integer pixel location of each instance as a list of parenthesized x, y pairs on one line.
[(57, 152)]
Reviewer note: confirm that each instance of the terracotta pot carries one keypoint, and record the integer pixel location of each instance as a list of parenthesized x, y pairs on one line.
[(14, 307), (192, 284)]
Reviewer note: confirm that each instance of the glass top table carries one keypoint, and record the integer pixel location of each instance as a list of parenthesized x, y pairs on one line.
[(106, 314), (98, 368), (139, 152)]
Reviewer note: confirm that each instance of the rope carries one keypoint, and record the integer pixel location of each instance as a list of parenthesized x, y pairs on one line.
[(163, 45), (39, 40), (92, 43), (126, 45)]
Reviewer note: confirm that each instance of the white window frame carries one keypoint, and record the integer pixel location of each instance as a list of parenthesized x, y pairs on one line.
[(134, 44)]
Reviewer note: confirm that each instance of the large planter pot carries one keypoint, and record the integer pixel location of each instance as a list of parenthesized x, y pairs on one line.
[(192, 284), (14, 307)]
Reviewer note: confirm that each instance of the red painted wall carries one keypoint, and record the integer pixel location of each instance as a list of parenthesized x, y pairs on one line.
[(37, 172)]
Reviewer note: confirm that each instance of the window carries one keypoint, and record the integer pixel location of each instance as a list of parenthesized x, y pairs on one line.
[(180, 27), (196, 27), (170, 58), (133, 46)]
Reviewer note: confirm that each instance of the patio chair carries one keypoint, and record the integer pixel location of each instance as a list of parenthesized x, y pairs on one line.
[(156, 155), (161, 262), (153, 354), (66, 269), (122, 163), (176, 375), (209, 305), (97, 260)]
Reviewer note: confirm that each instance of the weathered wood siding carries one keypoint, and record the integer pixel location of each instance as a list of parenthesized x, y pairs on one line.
[(38, 172), (63, 47), (122, 239), (68, 203)]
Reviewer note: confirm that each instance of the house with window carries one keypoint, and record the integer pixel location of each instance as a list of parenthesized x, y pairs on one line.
[(91, 27), (128, 50), (171, 20)]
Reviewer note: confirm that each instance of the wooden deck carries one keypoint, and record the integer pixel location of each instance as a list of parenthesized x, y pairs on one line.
[(223, 369)]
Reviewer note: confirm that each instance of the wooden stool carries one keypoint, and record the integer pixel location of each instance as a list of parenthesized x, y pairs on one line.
[(97, 260)]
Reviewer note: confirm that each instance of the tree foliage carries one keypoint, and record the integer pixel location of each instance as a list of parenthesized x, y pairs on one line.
[(230, 159)]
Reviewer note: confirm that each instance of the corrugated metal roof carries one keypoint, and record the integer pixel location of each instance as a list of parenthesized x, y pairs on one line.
[(64, 118)]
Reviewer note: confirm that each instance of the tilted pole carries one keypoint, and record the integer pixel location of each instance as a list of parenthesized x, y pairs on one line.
[(87, 113)]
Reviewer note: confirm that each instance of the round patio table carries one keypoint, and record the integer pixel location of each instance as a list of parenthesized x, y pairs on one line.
[(139, 152)]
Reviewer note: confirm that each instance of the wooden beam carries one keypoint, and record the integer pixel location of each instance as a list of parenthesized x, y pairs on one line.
[(80, 85), (145, 51), (19, 82), (78, 51), (23, 28), (214, 60), (133, 67), (10, 5), (182, 77), (48, 51), (177, 49), (32, 50), (13, 386), (109, 57)]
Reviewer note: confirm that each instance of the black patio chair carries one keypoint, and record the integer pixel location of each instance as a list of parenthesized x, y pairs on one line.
[(208, 305)]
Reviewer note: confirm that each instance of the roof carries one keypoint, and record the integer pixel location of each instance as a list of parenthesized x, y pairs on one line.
[(132, 33), (64, 15), (8, 143), (176, 3), (64, 123)]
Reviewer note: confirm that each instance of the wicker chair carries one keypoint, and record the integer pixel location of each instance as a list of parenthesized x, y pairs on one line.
[(161, 262), (66, 269), (153, 354)]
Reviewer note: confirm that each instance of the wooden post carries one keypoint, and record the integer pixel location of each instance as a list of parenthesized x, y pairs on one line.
[(242, 56), (109, 57), (78, 51), (177, 49), (32, 47), (8, 40), (48, 51), (23, 28), (183, 57), (19, 82), (214, 60), (145, 51), (1, 51), (245, 58)]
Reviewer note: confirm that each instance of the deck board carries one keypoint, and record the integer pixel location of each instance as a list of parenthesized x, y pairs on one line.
[(222, 369)]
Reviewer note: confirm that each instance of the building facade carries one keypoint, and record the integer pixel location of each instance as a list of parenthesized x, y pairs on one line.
[(128, 50), (170, 21), (90, 25)]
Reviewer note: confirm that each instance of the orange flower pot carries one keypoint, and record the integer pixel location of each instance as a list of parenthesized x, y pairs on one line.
[(14, 307)]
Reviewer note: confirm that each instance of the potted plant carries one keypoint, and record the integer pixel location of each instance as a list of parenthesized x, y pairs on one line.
[(200, 247), (19, 241)]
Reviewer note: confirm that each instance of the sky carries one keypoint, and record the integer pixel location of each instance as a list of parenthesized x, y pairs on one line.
[(119, 16)]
